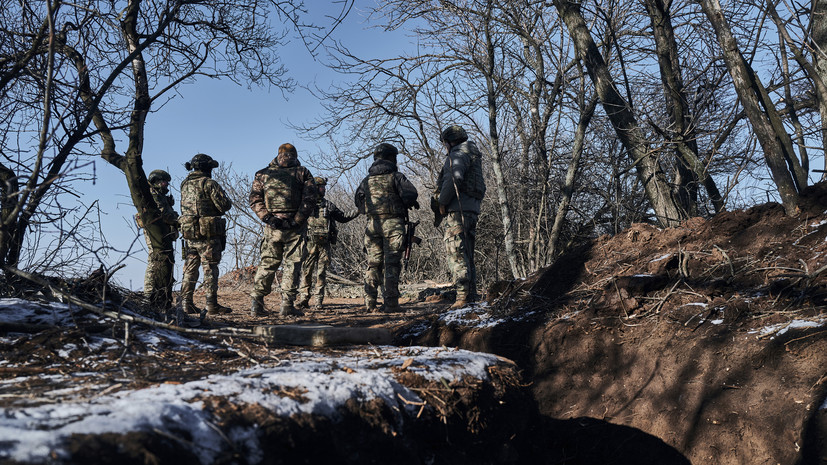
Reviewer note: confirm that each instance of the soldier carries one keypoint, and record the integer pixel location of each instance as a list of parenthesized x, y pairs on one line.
[(321, 235), (385, 196), (203, 204), (459, 193), (161, 261), (282, 196)]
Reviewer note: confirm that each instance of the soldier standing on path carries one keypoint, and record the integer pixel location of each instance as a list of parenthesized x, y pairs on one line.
[(385, 196), (161, 261), (321, 235), (282, 196), (459, 193), (203, 204)]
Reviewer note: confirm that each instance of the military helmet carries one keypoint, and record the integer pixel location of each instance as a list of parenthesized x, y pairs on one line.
[(454, 135), (157, 176), (320, 181), (385, 151), (201, 162)]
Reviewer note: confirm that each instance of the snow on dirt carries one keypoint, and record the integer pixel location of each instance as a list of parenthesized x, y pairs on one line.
[(300, 381)]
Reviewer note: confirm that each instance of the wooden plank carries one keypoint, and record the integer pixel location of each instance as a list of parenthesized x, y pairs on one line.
[(322, 335)]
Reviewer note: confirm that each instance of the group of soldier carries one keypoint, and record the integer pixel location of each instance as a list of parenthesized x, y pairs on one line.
[(299, 228)]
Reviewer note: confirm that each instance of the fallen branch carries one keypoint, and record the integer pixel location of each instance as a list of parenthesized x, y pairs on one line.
[(245, 332)]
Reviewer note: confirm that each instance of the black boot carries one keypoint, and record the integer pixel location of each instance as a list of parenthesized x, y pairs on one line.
[(257, 307), (214, 308)]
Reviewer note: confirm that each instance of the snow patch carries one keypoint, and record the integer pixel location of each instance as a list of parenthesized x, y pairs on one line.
[(317, 383)]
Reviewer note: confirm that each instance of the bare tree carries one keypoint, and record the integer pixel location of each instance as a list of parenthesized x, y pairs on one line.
[(104, 66)]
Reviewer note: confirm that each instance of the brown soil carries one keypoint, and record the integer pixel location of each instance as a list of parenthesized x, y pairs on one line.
[(653, 346)]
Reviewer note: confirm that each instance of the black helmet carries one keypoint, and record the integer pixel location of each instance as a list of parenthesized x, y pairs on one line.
[(158, 175), (454, 135), (201, 162), (385, 151)]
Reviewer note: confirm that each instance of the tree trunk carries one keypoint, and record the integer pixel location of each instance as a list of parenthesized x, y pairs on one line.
[(676, 103), (818, 28), (657, 189), (568, 185), (496, 157), (750, 93)]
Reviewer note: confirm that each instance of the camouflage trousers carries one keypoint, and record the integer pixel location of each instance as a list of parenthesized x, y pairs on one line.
[(316, 259), (208, 254), (280, 247), (384, 245), (158, 278), (460, 238)]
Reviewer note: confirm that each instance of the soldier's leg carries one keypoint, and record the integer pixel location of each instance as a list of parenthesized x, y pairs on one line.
[(271, 253), (190, 279), (470, 244), (211, 257), (456, 256), (308, 265), (293, 251), (321, 273), (166, 278), (373, 273), (394, 235)]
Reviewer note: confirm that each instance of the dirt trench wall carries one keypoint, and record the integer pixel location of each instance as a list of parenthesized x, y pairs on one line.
[(715, 395)]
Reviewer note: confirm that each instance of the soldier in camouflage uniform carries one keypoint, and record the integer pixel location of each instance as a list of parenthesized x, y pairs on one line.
[(161, 261), (385, 196), (203, 204), (459, 193), (321, 235), (282, 196)]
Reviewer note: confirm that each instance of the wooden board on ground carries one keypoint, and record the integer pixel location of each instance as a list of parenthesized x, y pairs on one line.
[(322, 335)]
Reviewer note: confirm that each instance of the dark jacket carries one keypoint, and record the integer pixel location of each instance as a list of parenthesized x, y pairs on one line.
[(462, 174)]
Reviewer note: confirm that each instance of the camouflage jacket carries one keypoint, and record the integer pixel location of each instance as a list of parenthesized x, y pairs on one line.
[(462, 174), (165, 203), (322, 220), (203, 197), (284, 191), (385, 191)]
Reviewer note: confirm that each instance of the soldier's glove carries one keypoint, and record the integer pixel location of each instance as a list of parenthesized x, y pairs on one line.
[(274, 221), (415, 205)]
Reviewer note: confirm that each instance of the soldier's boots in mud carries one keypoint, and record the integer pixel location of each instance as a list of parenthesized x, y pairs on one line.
[(302, 302), (370, 305), (214, 308), (390, 306), (188, 306), (287, 309), (257, 307), (460, 303), (319, 303)]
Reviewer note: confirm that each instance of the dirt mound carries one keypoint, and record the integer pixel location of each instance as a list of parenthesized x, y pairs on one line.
[(709, 335)]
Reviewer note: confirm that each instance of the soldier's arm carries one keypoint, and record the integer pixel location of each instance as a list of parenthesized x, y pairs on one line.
[(309, 193), (407, 191), (219, 197), (257, 198), (359, 198), (338, 215), (456, 165)]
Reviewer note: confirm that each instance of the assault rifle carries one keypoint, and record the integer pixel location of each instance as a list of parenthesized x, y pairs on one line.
[(410, 240)]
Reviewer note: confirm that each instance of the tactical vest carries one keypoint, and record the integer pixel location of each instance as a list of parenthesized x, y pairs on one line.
[(283, 190), (474, 185), (195, 201), (381, 199), (318, 223)]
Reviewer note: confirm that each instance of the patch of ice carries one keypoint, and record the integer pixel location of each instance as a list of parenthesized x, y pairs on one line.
[(662, 257), (695, 304), (717, 322), (782, 328)]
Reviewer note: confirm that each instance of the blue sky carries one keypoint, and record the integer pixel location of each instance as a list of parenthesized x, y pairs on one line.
[(232, 124)]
